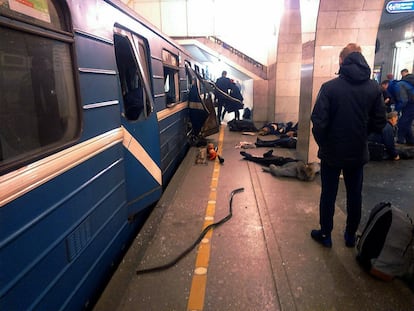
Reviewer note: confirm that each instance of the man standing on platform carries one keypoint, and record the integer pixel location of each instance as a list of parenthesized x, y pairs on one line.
[(346, 110), (223, 84)]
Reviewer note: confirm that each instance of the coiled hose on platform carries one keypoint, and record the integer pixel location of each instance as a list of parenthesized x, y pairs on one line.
[(203, 233)]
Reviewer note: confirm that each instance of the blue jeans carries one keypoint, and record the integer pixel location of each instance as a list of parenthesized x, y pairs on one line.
[(353, 178)]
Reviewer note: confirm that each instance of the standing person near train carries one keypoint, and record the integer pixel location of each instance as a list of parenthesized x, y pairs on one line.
[(346, 110), (223, 85), (233, 105)]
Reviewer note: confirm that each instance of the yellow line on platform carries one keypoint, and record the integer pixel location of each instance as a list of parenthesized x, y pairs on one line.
[(199, 281)]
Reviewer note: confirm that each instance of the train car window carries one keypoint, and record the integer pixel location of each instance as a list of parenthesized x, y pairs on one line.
[(171, 77), (131, 58), (44, 13), (39, 111)]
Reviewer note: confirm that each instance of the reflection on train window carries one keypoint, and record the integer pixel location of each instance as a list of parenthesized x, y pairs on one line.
[(38, 107), (188, 81), (171, 77), (132, 79)]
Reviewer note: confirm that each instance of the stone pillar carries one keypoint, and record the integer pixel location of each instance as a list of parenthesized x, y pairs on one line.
[(339, 23), (288, 65)]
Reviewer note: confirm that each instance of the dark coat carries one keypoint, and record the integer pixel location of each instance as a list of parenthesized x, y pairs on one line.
[(346, 110), (232, 105), (224, 84)]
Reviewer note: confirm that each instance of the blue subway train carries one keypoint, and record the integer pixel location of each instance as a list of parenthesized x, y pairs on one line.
[(94, 121)]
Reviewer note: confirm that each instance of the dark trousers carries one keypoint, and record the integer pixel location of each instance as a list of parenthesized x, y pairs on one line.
[(236, 114), (353, 178), (405, 131), (220, 107)]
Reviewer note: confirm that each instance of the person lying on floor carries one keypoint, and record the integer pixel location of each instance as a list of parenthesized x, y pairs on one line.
[(241, 126), (284, 142), (275, 128), (267, 159), (300, 170)]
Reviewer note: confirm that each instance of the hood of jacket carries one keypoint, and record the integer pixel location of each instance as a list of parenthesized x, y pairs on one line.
[(355, 68)]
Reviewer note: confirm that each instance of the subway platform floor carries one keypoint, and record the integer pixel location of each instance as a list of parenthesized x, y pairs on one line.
[(262, 257)]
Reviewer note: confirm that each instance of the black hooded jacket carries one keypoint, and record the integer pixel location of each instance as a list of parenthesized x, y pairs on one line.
[(347, 109)]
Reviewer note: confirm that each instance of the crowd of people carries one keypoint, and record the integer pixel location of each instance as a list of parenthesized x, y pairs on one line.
[(398, 97), (349, 114)]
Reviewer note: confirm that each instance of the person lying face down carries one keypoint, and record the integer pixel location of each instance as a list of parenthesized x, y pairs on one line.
[(284, 166), (299, 169)]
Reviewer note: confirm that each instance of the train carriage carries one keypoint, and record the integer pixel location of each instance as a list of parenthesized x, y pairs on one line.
[(93, 124)]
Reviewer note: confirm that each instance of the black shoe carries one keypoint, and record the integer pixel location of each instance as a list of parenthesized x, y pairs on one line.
[(323, 239), (349, 239), (245, 154), (268, 153)]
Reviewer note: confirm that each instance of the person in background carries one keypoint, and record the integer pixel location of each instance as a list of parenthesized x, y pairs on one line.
[(223, 85), (403, 96), (389, 103), (233, 105), (407, 77), (347, 108), (392, 87), (387, 136)]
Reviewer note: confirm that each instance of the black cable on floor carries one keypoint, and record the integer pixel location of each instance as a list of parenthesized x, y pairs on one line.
[(203, 233)]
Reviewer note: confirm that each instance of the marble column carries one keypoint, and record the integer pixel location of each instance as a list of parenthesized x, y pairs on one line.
[(339, 23)]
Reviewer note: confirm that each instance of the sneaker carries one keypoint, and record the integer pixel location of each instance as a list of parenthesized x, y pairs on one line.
[(349, 239), (323, 239)]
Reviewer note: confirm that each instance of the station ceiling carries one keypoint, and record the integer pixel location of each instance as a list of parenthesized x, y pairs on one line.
[(207, 55)]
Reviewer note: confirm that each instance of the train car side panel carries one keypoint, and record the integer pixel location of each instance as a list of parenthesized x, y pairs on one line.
[(93, 127)]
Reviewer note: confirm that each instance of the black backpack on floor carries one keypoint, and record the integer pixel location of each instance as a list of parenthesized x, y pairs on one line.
[(385, 247)]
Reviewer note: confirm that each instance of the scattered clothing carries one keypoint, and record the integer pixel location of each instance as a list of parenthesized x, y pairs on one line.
[(245, 145)]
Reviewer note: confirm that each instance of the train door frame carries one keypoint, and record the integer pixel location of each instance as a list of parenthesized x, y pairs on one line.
[(143, 70), (141, 133)]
